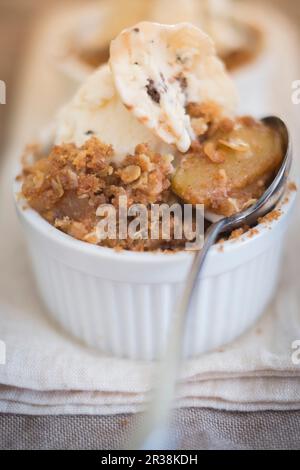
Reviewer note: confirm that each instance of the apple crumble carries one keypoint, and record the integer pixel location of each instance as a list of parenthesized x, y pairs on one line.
[(226, 169)]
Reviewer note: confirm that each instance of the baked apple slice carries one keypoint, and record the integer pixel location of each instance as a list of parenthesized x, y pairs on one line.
[(230, 170)]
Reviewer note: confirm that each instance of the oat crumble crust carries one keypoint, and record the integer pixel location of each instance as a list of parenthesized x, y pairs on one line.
[(67, 187), (274, 215)]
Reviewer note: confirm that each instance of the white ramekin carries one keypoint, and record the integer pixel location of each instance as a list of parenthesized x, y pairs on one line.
[(122, 302)]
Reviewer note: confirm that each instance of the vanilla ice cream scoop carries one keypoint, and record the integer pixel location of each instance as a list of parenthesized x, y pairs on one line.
[(159, 69), (96, 110), (155, 72)]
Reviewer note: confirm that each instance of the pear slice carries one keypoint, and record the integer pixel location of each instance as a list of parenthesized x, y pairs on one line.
[(229, 170)]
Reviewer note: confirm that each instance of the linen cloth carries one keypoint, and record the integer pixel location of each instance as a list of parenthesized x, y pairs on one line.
[(47, 372)]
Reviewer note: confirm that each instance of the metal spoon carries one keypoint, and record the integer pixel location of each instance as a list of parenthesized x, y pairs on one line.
[(153, 433)]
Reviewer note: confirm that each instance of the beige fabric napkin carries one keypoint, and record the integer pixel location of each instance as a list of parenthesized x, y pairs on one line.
[(48, 372)]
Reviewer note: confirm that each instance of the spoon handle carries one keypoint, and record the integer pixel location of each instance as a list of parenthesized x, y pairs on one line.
[(153, 431)]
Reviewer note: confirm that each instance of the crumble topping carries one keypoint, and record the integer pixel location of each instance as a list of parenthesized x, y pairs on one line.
[(68, 186), (274, 215)]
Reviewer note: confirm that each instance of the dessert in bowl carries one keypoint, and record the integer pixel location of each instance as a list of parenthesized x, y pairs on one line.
[(157, 126)]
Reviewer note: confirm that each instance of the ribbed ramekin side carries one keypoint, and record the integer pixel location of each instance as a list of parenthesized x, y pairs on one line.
[(225, 306), (132, 319)]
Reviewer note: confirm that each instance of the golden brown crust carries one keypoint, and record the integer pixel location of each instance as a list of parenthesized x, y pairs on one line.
[(68, 186)]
